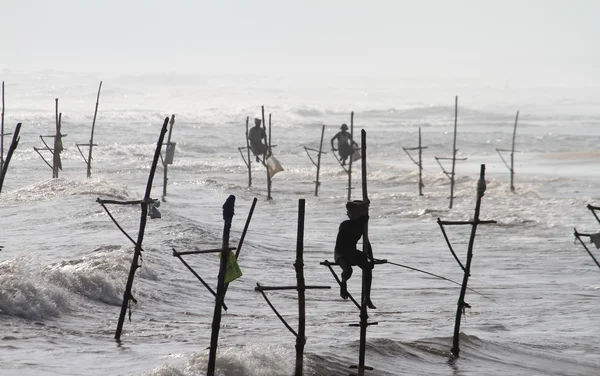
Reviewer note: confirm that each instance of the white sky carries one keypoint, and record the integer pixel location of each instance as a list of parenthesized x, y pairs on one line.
[(544, 42)]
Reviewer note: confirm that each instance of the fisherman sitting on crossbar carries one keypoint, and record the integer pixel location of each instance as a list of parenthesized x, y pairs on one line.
[(346, 255)]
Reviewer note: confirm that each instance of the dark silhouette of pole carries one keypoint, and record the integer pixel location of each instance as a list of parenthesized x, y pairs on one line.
[(2, 131), (351, 155), (299, 265), (367, 250), (481, 186), (512, 154), (127, 296), (248, 149), (228, 212), (319, 161), (89, 159), (420, 165), (11, 149), (167, 159)]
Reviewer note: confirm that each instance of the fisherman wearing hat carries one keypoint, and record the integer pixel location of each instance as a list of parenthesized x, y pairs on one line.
[(346, 255), (256, 135), (345, 144)]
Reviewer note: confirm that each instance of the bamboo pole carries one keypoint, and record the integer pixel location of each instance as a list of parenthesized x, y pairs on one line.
[(481, 186), (11, 149), (165, 164), (248, 149), (2, 131), (89, 159), (228, 212), (56, 162), (319, 161), (299, 266), (512, 154), (350, 163), (127, 296), (453, 151)]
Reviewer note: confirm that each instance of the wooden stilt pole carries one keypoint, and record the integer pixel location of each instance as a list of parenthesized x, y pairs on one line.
[(420, 165), (89, 159), (481, 185), (127, 296), (228, 211), (2, 131), (350, 162), (299, 266), (11, 149), (512, 154), (56, 152), (317, 183), (453, 151), (367, 250), (249, 163), (269, 152), (266, 156), (165, 160)]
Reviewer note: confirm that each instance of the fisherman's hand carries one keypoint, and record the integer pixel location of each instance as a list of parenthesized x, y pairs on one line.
[(333, 149)]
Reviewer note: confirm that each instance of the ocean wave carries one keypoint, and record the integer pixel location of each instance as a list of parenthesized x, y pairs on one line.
[(24, 294), (56, 188)]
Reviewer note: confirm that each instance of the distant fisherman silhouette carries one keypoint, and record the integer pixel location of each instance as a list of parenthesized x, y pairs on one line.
[(345, 144), (256, 135), (346, 255)]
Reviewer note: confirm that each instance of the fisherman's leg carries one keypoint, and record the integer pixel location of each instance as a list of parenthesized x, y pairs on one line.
[(346, 274), (367, 269)]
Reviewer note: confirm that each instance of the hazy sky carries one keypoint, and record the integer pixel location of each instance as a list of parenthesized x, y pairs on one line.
[(540, 41)]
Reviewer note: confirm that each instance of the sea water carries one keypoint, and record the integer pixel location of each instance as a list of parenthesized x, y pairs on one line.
[(64, 264)]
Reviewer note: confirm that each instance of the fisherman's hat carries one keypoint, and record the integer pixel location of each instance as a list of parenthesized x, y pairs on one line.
[(257, 121)]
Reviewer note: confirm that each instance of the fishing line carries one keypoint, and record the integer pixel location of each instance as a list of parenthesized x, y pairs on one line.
[(440, 277)]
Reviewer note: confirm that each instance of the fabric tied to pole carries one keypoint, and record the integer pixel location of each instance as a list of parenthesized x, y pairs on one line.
[(233, 271), (595, 238), (274, 166)]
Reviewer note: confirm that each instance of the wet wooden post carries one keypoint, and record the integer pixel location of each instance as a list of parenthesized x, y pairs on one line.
[(91, 144), (89, 165), (249, 163), (318, 163), (58, 148), (127, 296), (267, 153), (317, 183), (2, 131), (169, 155), (511, 168), (419, 163), (11, 149), (481, 186), (453, 151), (299, 266), (228, 212), (364, 317), (351, 155), (301, 287), (451, 174)]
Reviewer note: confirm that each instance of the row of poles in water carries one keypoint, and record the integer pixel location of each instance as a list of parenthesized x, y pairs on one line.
[(147, 204)]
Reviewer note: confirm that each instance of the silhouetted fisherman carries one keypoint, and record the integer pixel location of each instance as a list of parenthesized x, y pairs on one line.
[(345, 144), (256, 135), (346, 255)]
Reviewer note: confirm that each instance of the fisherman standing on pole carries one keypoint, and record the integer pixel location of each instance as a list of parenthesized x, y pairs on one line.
[(347, 255), (256, 135), (345, 144)]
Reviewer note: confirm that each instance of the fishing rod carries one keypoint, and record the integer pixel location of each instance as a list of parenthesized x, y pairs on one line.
[(440, 277)]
